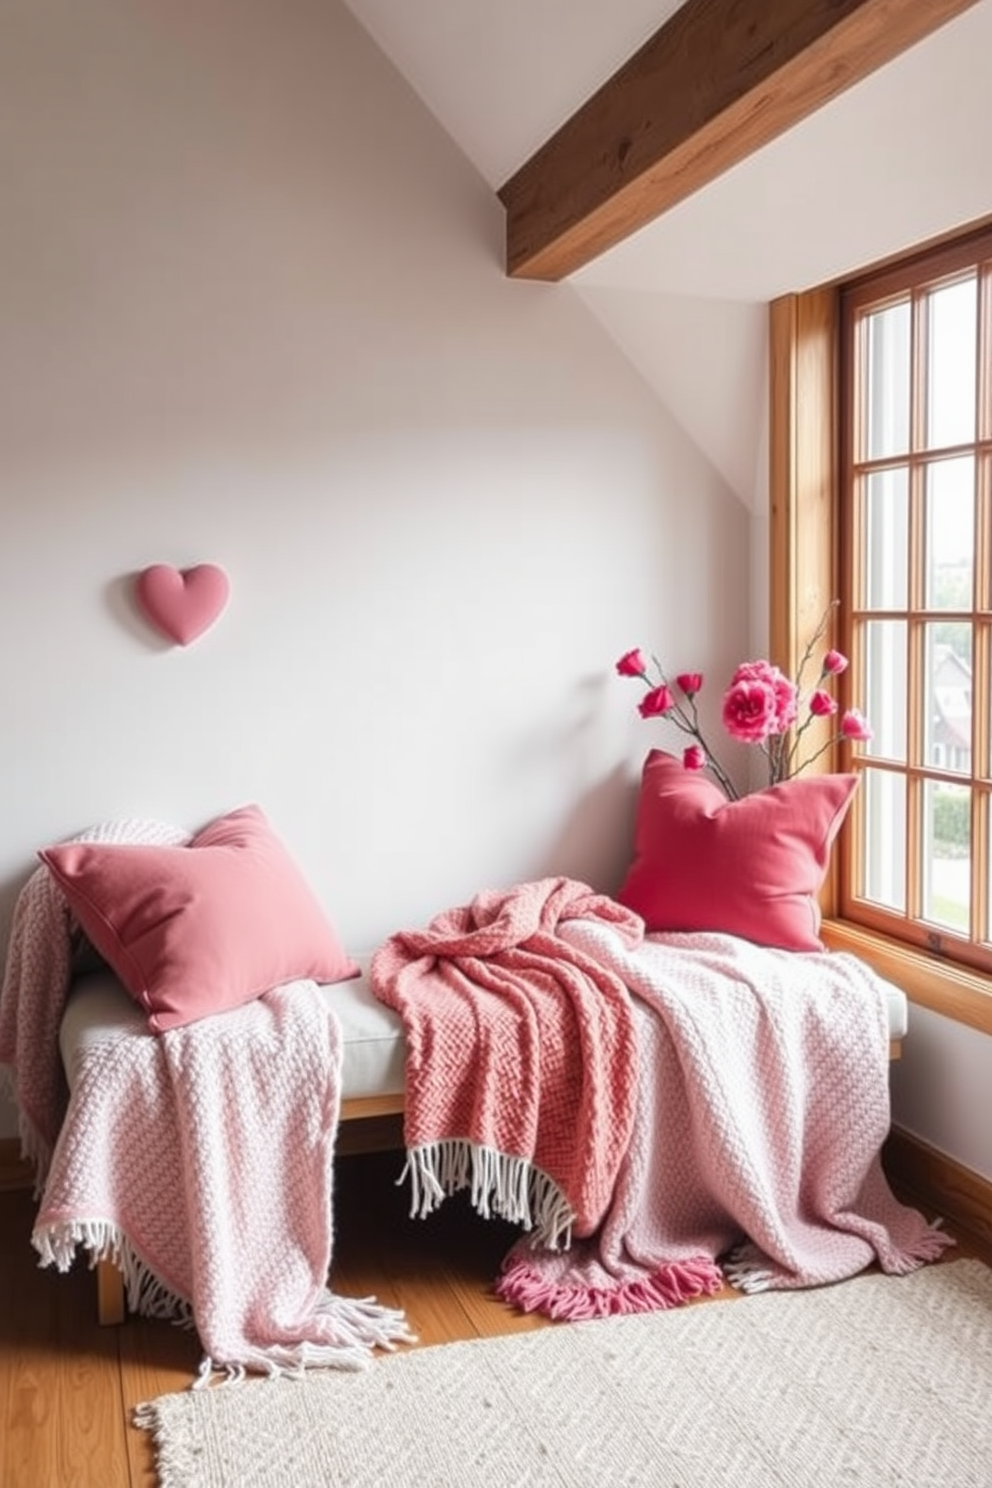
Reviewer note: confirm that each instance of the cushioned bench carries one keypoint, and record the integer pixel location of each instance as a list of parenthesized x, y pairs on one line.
[(372, 1083), (99, 1008)]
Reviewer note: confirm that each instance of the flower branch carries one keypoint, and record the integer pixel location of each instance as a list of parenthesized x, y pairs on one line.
[(761, 706)]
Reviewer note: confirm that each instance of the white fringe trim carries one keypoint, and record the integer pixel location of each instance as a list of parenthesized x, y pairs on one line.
[(146, 1293), (510, 1187), (746, 1267), (359, 1324), (746, 1278)]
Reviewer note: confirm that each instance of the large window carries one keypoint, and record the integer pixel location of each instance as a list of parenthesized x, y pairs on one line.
[(915, 526), (880, 479)]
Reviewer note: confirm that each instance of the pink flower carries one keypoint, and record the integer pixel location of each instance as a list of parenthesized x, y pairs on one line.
[(753, 671), (821, 704), (761, 706), (786, 699), (749, 710), (783, 693), (656, 702), (854, 725), (632, 664)]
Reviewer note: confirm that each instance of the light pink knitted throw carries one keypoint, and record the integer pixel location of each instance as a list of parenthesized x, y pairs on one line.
[(520, 1074), (761, 1110), (199, 1160)]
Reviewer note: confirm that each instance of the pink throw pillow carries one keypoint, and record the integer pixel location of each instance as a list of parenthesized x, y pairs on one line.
[(751, 867), (200, 929)]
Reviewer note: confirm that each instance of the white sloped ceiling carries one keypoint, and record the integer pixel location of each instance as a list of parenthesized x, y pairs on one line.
[(901, 157)]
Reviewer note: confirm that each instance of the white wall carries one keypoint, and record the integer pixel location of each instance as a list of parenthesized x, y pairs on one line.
[(941, 1088), (254, 313)]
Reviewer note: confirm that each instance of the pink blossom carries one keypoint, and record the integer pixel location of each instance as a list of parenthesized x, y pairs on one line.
[(753, 671), (656, 702), (782, 691), (632, 664), (761, 706), (821, 704), (786, 699), (749, 710), (854, 725)]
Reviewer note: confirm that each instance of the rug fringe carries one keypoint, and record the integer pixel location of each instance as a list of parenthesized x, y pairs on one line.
[(510, 1187), (669, 1286)]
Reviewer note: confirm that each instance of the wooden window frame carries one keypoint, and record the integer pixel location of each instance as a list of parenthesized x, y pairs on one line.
[(804, 495)]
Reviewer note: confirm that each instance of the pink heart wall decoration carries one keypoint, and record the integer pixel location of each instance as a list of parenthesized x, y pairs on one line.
[(182, 604)]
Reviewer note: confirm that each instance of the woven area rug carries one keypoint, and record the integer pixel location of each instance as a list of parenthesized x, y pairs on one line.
[(873, 1382)]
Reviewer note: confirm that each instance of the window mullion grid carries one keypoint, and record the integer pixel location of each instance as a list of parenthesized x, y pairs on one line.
[(981, 806), (855, 640), (854, 565), (983, 351), (981, 790), (914, 617)]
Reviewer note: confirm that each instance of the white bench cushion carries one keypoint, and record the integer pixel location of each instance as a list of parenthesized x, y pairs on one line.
[(373, 1060), (99, 1008)]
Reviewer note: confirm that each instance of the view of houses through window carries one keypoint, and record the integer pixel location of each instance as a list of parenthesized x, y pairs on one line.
[(916, 518)]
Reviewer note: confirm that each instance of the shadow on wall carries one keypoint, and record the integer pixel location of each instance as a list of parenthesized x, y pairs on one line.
[(595, 844)]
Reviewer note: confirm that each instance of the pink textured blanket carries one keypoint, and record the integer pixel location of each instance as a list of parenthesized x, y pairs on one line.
[(520, 1074), (762, 1105), (200, 1160)]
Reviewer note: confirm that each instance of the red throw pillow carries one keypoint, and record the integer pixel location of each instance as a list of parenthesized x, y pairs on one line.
[(199, 929), (751, 867)]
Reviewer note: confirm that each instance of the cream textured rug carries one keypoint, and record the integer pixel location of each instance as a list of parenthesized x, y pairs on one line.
[(873, 1382)]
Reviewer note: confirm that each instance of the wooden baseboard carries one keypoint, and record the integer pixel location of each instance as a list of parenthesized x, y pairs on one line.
[(940, 1183), (14, 1171)]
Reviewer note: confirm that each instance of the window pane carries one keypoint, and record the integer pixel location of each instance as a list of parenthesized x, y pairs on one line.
[(914, 543), (950, 529), (947, 697), (946, 854), (885, 688), (951, 364), (886, 409), (887, 515), (883, 871)]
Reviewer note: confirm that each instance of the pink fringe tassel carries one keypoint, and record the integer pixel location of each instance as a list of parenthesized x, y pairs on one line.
[(672, 1285)]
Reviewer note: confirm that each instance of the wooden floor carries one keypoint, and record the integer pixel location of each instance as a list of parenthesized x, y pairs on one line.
[(67, 1386)]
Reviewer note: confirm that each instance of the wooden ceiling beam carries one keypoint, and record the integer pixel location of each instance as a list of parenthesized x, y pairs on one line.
[(720, 79)]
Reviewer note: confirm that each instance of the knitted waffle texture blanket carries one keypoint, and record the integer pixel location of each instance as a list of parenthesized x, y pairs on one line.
[(762, 1106), (199, 1160), (659, 1113), (521, 1056)]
